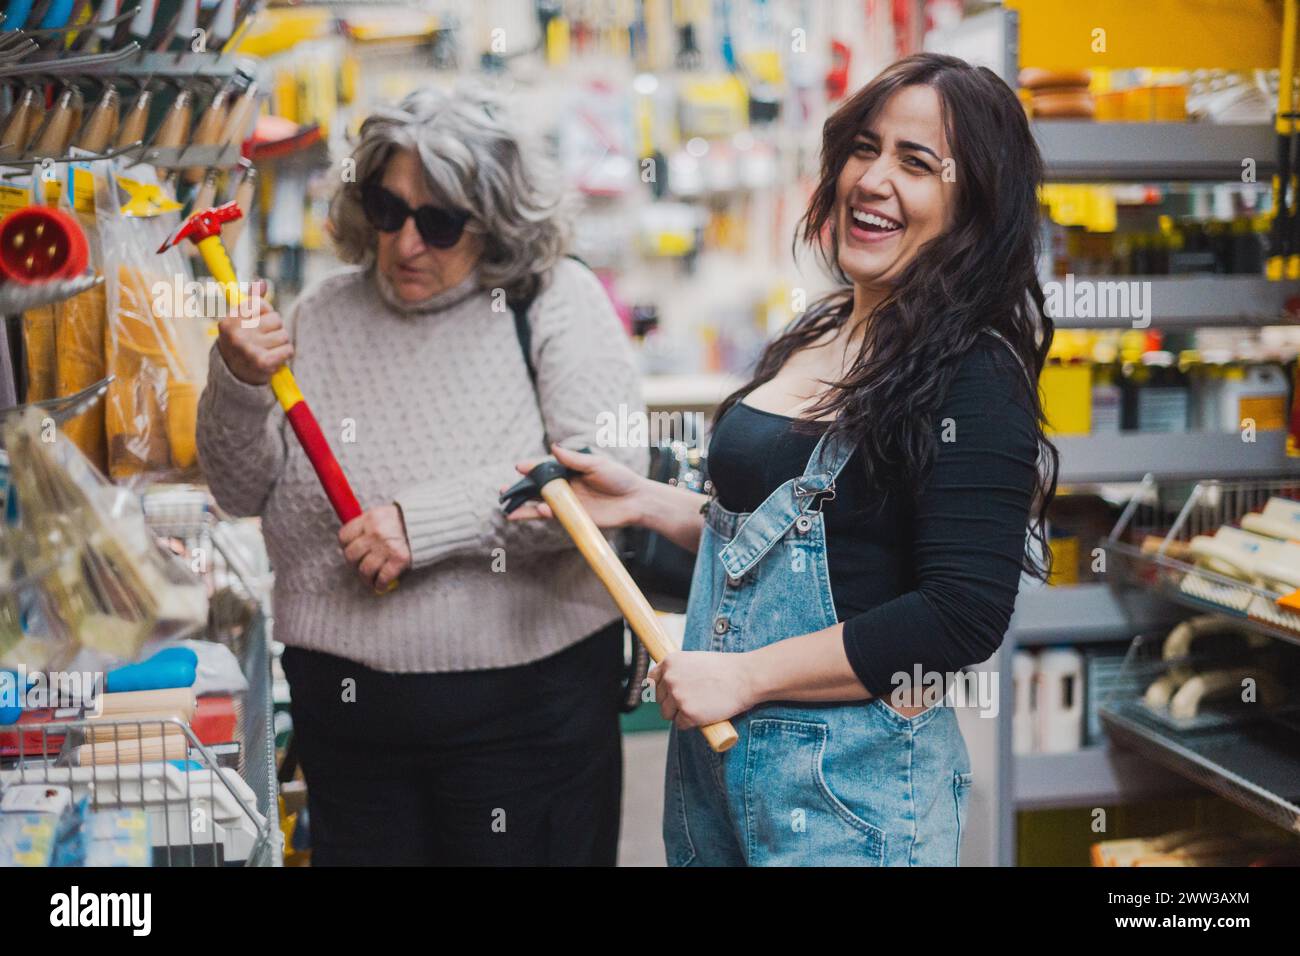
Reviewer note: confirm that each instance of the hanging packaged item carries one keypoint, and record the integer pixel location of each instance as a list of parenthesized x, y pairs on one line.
[(64, 340), (80, 323), (155, 346), (100, 572)]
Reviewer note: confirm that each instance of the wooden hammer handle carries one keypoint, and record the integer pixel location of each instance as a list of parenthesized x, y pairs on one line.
[(559, 494)]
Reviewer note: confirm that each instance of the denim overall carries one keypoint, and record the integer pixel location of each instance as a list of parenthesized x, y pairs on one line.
[(851, 784)]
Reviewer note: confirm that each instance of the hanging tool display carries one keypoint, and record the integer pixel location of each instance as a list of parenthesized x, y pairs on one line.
[(203, 228), (96, 134), (549, 482)]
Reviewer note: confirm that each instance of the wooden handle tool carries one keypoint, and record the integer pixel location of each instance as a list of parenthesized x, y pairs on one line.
[(136, 121), (207, 132), (556, 491), (176, 123), (98, 129)]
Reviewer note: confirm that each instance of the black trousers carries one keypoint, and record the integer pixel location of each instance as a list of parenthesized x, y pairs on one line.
[(512, 766)]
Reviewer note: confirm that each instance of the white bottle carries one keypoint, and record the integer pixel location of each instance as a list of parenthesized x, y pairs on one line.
[(1256, 393), (1060, 700), (1024, 668)]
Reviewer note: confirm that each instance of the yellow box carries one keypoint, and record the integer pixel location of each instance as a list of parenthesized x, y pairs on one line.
[(1067, 398), (1065, 560)]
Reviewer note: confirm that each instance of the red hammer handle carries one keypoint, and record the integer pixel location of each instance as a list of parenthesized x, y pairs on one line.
[(322, 459)]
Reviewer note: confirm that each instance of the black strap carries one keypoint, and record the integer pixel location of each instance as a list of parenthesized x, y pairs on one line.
[(524, 330), (524, 333)]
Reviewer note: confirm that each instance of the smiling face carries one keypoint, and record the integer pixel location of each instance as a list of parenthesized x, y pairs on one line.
[(891, 197), (416, 270)]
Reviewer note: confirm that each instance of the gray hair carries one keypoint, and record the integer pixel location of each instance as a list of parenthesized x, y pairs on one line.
[(475, 159)]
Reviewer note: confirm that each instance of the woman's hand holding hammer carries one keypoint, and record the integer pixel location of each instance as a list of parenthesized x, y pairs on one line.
[(375, 544)]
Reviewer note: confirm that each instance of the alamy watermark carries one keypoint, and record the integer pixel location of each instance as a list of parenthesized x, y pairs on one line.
[(626, 428), (182, 298), (1099, 299), (975, 689), (41, 690)]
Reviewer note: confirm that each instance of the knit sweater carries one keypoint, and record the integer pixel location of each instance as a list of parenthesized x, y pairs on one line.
[(428, 409)]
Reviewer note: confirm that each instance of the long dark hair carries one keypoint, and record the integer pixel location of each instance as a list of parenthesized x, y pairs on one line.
[(980, 274)]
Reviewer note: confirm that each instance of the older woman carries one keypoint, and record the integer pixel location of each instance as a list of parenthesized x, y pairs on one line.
[(470, 714)]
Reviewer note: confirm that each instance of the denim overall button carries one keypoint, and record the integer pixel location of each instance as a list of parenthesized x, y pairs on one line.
[(720, 625), (802, 524)]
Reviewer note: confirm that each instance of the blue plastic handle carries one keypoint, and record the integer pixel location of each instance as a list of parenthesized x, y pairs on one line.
[(11, 698), (16, 14), (172, 667), (57, 15)]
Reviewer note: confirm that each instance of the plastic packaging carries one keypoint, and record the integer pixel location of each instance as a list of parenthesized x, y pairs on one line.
[(107, 585), (156, 352)]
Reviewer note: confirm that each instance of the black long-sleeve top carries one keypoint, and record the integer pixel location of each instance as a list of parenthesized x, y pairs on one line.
[(931, 582)]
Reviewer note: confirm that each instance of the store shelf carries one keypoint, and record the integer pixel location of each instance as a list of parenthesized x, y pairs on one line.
[(1083, 151), (1186, 585), (17, 297), (1256, 766), (180, 66), (1084, 614), (1194, 301), (1128, 456), (1094, 776), (704, 390)]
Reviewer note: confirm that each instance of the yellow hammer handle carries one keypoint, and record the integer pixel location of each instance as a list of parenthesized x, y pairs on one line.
[(559, 494), (213, 251)]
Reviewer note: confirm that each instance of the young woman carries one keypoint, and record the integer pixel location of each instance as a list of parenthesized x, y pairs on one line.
[(873, 485)]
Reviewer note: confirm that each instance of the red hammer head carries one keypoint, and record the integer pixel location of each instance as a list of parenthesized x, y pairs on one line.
[(203, 224)]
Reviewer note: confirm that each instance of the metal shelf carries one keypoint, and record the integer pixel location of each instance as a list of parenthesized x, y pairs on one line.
[(1256, 766), (1180, 582), (1084, 614), (704, 390), (182, 65), (1196, 301), (1094, 776), (16, 297), (1084, 151), (1128, 456)]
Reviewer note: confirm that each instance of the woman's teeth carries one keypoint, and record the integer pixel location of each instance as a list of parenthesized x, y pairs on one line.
[(875, 223)]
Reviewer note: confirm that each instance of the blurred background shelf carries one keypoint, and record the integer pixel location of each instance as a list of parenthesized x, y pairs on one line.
[(1127, 456), (1085, 151), (1195, 301), (1083, 614), (1095, 776), (1254, 766), (704, 390)]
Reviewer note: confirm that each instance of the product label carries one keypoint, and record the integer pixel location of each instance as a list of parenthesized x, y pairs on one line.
[(1268, 412), (1106, 406), (1162, 409)]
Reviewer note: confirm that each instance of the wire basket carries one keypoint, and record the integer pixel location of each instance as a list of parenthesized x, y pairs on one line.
[(1153, 544), (200, 812)]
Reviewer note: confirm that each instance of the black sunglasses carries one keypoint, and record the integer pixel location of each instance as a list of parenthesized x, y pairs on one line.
[(440, 228)]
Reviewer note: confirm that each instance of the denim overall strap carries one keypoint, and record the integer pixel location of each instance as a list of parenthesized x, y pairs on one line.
[(769, 522)]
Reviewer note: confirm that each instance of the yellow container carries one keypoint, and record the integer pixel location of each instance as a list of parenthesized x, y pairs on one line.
[(1171, 103), (1067, 397), (1109, 107), (1065, 561)]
